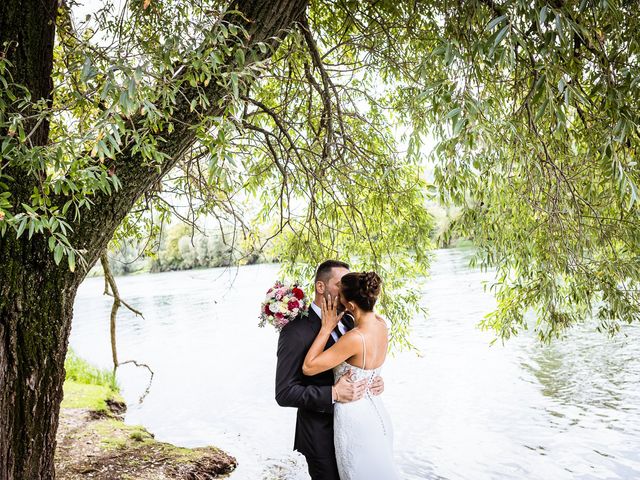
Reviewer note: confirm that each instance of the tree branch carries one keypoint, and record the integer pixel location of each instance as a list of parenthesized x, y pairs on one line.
[(264, 21)]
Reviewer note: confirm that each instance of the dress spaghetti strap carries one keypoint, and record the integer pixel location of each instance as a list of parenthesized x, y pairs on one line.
[(364, 347)]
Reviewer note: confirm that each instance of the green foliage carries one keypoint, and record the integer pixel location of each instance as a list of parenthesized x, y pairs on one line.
[(182, 248), (80, 371), (100, 90), (320, 154), (299, 153), (535, 106)]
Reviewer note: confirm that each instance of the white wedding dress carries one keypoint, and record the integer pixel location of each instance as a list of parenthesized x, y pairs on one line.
[(363, 434)]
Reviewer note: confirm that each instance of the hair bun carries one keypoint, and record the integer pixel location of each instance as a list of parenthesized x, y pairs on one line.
[(362, 288), (370, 284)]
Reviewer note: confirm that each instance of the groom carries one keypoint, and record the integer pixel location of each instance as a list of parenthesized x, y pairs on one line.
[(314, 396)]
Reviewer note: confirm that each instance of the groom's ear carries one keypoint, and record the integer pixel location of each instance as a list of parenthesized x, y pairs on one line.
[(320, 287)]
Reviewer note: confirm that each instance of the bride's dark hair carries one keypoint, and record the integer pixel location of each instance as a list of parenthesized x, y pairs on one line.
[(363, 288)]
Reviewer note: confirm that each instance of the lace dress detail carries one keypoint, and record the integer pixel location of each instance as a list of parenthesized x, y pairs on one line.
[(363, 434)]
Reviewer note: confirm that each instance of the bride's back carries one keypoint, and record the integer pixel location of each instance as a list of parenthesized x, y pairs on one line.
[(359, 293), (374, 341)]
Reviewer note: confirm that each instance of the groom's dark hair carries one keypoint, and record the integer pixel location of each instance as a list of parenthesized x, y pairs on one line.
[(323, 273)]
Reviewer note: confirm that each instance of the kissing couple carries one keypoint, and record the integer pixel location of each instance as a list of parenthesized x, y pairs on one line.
[(328, 368)]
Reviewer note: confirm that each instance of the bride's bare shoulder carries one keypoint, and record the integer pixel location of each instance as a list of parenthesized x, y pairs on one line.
[(383, 320), (380, 317)]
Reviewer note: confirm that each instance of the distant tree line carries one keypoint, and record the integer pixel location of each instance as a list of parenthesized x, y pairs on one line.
[(181, 248)]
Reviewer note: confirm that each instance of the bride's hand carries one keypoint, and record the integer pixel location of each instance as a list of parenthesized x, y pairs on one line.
[(329, 310)]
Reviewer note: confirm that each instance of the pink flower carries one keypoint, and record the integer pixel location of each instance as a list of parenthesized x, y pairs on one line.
[(292, 305)]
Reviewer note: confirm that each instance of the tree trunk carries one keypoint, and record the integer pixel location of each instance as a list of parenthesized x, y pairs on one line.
[(36, 296), (36, 302), (28, 27)]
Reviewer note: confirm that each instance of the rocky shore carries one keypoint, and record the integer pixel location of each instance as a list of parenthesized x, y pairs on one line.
[(93, 442)]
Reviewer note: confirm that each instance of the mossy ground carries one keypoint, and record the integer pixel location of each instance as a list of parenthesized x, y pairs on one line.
[(93, 442)]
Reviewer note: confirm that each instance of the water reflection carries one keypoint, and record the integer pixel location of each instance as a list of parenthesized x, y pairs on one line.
[(461, 410)]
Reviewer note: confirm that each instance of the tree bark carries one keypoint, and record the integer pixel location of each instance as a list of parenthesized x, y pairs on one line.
[(35, 299), (36, 303), (36, 296), (28, 27)]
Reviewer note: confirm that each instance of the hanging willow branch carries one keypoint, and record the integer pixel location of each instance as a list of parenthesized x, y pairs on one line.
[(110, 282)]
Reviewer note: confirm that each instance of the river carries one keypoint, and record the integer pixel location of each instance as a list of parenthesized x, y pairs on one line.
[(461, 408)]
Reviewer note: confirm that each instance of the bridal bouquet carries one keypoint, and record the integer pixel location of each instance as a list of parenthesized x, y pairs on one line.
[(282, 304)]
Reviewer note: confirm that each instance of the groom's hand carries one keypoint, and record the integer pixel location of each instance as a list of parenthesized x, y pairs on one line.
[(377, 386), (348, 391)]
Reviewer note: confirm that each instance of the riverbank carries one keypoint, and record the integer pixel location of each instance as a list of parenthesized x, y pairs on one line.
[(94, 442)]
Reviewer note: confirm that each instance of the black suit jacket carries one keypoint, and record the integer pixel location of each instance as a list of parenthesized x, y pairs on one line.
[(310, 395)]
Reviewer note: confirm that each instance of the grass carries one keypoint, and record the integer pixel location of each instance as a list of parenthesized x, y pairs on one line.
[(81, 371), (87, 386), (107, 447)]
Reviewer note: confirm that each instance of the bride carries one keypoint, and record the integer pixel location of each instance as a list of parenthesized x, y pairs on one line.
[(363, 435)]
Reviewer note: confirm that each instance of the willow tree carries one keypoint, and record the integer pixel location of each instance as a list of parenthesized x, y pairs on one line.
[(536, 108), (224, 102), (297, 104)]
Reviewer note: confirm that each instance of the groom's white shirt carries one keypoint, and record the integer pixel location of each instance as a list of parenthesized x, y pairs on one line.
[(341, 326)]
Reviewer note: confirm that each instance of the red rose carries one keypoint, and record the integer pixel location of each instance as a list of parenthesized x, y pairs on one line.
[(298, 293), (293, 304), (279, 316), (266, 309)]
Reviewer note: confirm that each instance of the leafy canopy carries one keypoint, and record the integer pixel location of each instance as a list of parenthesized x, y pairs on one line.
[(533, 107), (536, 108), (298, 151)]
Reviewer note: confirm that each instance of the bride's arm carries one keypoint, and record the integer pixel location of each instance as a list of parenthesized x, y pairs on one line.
[(317, 360)]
